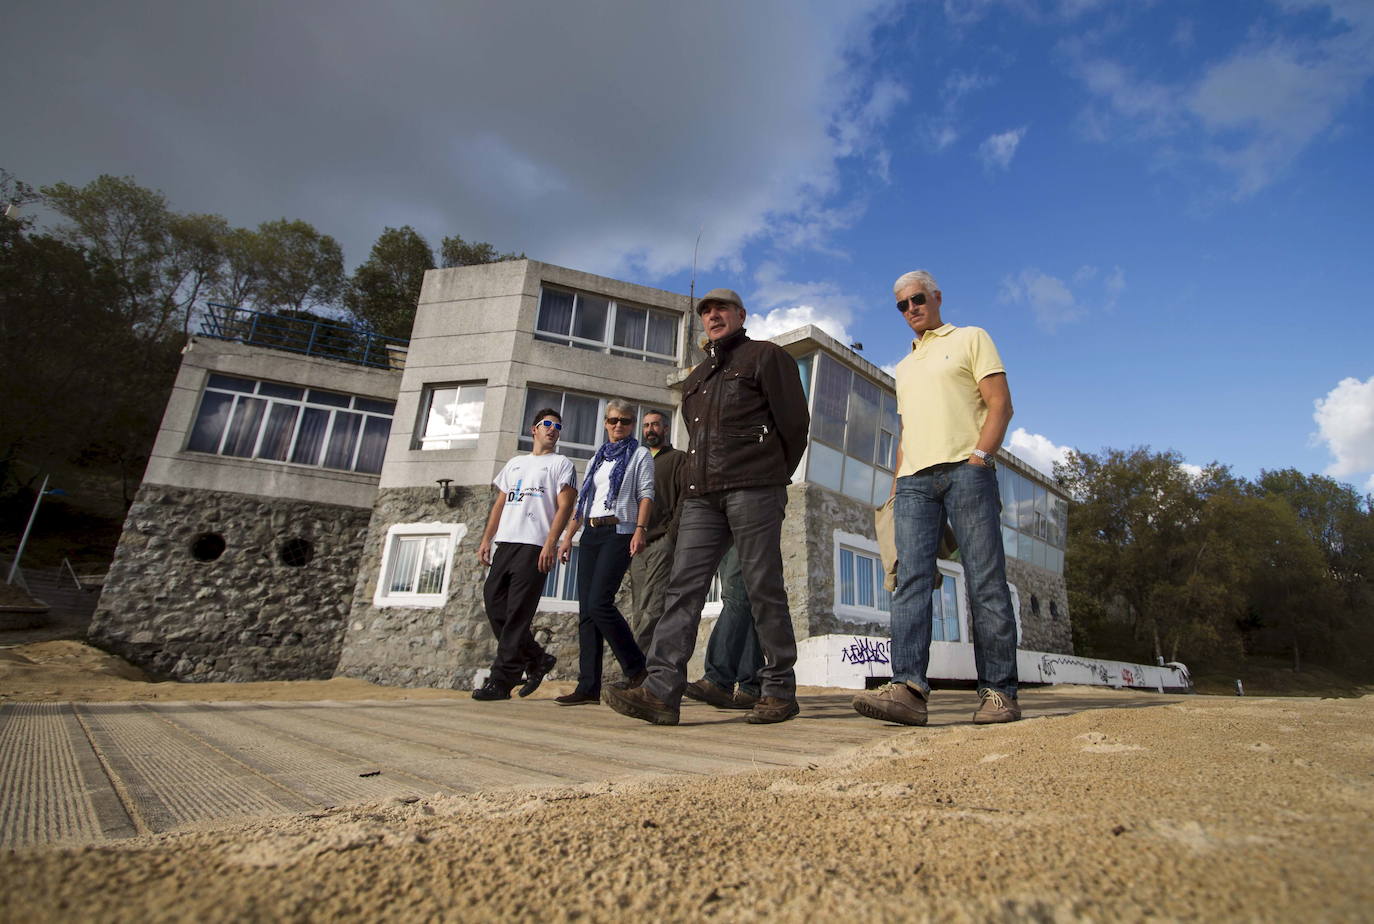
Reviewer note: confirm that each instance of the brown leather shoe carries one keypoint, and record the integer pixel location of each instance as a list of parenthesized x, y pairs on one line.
[(771, 709), (629, 683), (710, 692), (995, 708), (639, 703), (892, 702), (743, 700)]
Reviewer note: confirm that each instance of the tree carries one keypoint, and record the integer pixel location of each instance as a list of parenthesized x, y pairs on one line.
[(300, 267), (163, 261), (454, 251), (384, 291)]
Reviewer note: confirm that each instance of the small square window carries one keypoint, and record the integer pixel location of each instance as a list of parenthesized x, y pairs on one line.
[(451, 416), (417, 564)]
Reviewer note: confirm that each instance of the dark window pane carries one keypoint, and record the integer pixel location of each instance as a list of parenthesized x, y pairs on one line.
[(273, 390), (342, 440), (662, 334), (832, 398), (328, 398), (373, 449), (630, 324), (374, 407), (229, 383), (864, 403), (582, 420), (314, 423), (209, 426), (590, 320), (281, 423), (243, 429), (555, 312)]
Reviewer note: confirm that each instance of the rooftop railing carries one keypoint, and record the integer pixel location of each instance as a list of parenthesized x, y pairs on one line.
[(307, 336)]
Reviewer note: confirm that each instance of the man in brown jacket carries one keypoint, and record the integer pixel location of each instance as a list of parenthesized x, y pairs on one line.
[(747, 418), (649, 570)]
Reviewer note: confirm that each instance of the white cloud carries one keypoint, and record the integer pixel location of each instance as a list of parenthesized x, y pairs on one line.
[(1054, 301), (996, 151), (779, 305), (1039, 451), (1345, 423), (1253, 112), (1194, 471)]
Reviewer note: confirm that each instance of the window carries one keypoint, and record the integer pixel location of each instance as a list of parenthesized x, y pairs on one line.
[(450, 416), (591, 322), (860, 595), (250, 419), (854, 430), (583, 415), (1034, 521), (417, 564)]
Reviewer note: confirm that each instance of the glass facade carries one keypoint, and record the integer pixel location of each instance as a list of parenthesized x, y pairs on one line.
[(1035, 522), (853, 444)]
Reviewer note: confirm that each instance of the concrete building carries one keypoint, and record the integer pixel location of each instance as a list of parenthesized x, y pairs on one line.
[(306, 516)]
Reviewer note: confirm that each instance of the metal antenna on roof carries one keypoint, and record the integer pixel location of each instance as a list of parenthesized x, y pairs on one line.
[(692, 291)]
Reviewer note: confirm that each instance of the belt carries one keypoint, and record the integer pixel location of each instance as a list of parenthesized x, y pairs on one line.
[(603, 521)]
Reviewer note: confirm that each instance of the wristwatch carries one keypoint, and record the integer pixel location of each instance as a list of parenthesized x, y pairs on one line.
[(985, 456)]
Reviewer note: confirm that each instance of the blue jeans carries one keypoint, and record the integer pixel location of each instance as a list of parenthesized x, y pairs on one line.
[(967, 495), (733, 655)]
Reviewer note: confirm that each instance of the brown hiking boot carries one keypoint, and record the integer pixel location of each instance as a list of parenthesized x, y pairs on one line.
[(743, 700), (892, 702), (996, 707), (708, 691), (771, 709), (639, 703)]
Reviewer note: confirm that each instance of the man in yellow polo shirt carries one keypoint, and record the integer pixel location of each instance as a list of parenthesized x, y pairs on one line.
[(955, 405)]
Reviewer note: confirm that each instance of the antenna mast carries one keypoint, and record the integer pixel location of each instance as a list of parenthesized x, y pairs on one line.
[(692, 291)]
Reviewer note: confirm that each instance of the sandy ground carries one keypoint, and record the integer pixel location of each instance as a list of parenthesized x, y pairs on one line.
[(1213, 808)]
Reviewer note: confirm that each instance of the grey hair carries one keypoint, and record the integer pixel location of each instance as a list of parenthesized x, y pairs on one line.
[(916, 278), (620, 404)]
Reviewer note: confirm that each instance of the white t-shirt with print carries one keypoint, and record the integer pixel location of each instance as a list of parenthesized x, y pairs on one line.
[(531, 484)]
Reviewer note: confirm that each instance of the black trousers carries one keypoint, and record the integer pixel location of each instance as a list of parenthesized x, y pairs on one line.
[(512, 594), (603, 557)]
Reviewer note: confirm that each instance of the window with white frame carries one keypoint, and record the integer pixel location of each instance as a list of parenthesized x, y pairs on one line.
[(450, 416), (593, 322), (583, 415), (860, 595), (853, 441), (560, 589), (252, 419), (417, 563)]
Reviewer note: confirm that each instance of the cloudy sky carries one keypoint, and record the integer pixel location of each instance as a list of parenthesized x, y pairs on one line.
[(1161, 211)]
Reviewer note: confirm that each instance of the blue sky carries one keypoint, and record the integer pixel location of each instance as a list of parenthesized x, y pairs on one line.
[(1160, 210)]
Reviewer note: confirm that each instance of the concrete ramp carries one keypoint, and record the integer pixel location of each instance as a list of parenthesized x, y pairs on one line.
[(93, 772)]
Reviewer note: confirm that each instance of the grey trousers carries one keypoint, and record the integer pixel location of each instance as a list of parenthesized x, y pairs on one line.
[(753, 518), (649, 573)]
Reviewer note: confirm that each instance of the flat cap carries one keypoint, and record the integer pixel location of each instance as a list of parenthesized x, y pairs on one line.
[(729, 296)]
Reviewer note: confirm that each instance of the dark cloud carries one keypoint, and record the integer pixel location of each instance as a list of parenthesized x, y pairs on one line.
[(597, 134)]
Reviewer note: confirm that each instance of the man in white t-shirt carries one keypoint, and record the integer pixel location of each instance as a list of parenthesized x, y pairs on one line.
[(535, 495)]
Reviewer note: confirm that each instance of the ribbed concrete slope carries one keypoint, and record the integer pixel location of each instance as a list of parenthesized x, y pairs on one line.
[(83, 773)]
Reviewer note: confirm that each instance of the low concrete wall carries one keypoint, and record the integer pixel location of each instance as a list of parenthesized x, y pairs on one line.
[(245, 615)]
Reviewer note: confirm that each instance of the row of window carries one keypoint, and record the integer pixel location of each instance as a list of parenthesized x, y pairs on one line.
[(251, 419), (1034, 521), (854, 427), (593, 322)]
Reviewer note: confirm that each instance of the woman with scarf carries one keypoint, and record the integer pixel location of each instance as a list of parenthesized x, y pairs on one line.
[(613, 511)]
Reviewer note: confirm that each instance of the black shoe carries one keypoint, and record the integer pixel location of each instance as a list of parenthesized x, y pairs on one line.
[(576, 698), (534, 676), (491, 690)]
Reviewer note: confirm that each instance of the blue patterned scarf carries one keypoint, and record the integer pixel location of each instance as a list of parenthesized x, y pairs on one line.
[(619, 454)]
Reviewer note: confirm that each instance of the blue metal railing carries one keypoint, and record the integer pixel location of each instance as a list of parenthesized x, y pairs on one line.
[(302, 335)]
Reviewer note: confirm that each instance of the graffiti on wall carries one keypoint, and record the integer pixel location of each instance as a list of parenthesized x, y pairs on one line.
[(1049, 662), (865, 651)]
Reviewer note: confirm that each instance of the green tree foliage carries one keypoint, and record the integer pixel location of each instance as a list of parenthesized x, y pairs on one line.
[(384, 290), (163, 261), (1165, 563), (298, 267), (454, 251)]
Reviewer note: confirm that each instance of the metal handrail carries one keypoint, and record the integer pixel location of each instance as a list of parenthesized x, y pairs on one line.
[(302, 335)]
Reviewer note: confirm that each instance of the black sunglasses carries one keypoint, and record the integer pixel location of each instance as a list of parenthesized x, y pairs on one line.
[(915, 301), (551, 423), (623, 421)]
